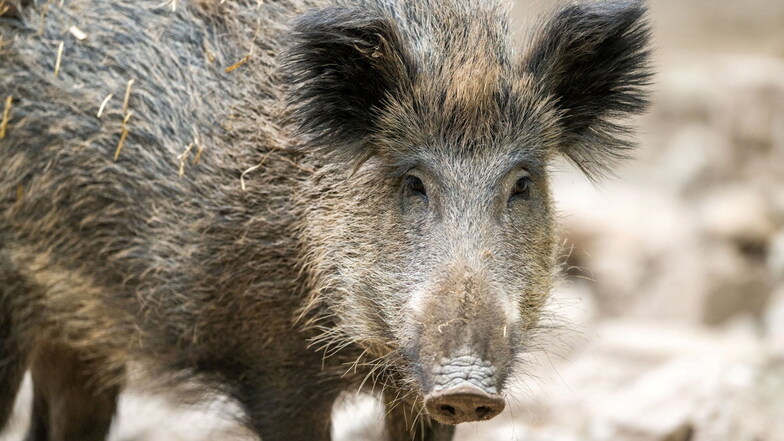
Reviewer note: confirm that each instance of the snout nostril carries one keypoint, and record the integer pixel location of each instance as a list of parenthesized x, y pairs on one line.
[(482, 412), (463, 404), (448, 409)]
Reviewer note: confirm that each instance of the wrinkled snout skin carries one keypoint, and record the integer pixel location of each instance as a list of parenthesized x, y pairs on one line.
[(287, 201)]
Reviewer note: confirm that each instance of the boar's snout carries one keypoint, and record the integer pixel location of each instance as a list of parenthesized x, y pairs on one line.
[(463, 404), (463, 347), (465, 390)]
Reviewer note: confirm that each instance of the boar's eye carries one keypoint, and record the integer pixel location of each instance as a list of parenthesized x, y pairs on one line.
[(521, 189), (414, 186)]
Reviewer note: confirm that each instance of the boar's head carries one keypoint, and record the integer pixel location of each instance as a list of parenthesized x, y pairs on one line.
[(428, 226)]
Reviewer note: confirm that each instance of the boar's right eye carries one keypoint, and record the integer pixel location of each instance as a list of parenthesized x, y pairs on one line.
[(415, 186), (521, 189)]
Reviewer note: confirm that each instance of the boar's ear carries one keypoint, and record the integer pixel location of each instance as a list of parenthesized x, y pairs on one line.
[(342, 65), (592, 59)]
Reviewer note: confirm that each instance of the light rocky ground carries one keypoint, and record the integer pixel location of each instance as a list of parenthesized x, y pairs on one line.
[(673, 328)]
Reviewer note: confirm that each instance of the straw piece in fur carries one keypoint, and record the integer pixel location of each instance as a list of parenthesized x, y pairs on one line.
[(123, 135), (59, 58), (6, 115), (127, 96), (183, 157), (103, 105), (77, 33)]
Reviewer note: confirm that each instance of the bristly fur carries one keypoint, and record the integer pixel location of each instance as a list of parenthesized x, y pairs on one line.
[(268, 270), (593, 58), (343, 64)]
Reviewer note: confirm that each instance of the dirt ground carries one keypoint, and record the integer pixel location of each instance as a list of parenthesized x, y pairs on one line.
[(672, 328)]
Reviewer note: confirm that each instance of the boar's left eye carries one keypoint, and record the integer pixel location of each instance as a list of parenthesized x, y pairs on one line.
[(415, 186), (521, 189)]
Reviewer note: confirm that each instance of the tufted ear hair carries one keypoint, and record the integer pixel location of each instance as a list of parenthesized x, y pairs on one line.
[(342, 66), (593, 60)]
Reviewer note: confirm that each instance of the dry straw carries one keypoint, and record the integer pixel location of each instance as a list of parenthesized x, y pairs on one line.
[(59, 58), (123, 135), (103, 105), (6, 116), (200, 147), (124, 132), (183, 157), (252, 169), (77, 33), (127, 96), (245, 59), (242, 61)]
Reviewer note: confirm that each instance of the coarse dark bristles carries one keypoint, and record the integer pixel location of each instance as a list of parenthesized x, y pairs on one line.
[(593, 59)]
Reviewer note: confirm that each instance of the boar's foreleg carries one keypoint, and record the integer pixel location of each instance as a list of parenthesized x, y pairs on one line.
[(69, 402), (290, 404)]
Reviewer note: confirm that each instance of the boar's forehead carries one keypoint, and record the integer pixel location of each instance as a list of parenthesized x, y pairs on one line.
[(491, 129), (443, 30), (467, 91), (465, 97)]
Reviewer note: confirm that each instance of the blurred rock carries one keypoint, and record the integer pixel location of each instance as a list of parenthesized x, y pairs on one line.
[(735, 285), (754, 100), (659, 406), (774, 321), (693, 155), (776, 256), (718, 120), (738, 215), (642, 381)]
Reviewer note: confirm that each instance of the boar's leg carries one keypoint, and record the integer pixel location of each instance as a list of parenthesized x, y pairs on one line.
[(11, 370), (69, 403), (293, 406), (12, 360), (13, 312), (407, 422)]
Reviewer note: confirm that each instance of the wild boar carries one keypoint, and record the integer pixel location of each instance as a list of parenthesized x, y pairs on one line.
[(283, 200)]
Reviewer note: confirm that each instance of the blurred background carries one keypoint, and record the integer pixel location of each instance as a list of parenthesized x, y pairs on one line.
[(669, 325)]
